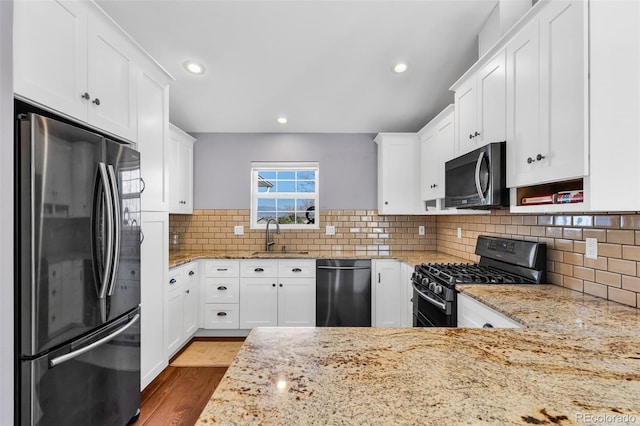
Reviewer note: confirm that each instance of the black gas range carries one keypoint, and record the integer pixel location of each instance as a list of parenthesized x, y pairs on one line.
[(502, 261)]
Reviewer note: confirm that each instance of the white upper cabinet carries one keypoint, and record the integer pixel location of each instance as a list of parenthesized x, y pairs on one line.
[(71, 58), (436, 148), (50, 54), (480, 100), (153, 138), (546, 92), (180, 171), (397, 173)]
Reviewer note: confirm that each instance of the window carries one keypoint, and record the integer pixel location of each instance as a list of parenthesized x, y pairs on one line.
[(286, 192)]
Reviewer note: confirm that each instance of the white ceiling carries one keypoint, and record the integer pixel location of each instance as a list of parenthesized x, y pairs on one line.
[(324, 64)]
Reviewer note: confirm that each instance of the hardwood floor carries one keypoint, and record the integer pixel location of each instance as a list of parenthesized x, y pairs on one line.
[(179, 394)]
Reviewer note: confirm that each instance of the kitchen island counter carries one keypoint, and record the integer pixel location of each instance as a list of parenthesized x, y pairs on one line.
[(571, 368)]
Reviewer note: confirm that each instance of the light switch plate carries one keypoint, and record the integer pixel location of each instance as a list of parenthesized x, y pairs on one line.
[(591, 248), (238, 230), (459, 232), (421, 230), (330, 230)]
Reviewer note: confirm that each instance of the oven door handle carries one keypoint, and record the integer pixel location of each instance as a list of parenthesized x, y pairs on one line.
[(439, 304)]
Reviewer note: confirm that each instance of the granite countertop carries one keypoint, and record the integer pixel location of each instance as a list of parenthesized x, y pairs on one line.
[(177, 258), (577, 362)]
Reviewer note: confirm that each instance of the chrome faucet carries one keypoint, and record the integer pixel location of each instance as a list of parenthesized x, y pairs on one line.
[(267, 243)]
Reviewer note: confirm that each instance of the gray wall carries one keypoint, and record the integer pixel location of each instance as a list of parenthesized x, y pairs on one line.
[(6, 212), (222, 166)]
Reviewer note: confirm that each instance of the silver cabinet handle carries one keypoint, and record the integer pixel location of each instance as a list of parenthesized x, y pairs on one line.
[(85, 96), (487, 325), (540, 157), (96, 101), (222, 314), (222, 288), (191, 273), (259, 270), (296, 270), (63, 358), (187, 291), (172, 281), (221, 269)]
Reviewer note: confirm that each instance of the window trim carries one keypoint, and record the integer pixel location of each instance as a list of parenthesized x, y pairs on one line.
[(257, 166)]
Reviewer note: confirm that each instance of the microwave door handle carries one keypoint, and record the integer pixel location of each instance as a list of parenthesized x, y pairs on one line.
[(478, 188)]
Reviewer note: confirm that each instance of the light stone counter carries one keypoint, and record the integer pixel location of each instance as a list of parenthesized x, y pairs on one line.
[(177, 258), (578, 362)]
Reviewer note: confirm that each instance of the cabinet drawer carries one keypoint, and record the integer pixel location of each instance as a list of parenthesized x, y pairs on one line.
[(258, 268), (222, 268), (174, 280), (474, 314), (297, 268), (221, 315), (221, 290)]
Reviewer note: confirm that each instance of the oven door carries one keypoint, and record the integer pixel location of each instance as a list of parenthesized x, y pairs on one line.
[(426, 313)]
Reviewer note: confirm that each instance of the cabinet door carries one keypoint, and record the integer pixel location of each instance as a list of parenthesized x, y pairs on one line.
[(258, 302), (154, 255), (191, 300), (111, 78), (474, 314), (387, 293), (523, 105), (297, 302), (175, 311), (180, 172), (445, 138), (492, 101), (466, 117), (50, 54), (428, 165), (153, 112), (396, 173), (563, 144)]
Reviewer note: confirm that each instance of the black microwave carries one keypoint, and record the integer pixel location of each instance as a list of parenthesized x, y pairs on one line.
[(477, 179)]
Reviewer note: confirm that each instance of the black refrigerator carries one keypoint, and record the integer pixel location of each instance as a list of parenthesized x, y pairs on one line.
[(77, 240)]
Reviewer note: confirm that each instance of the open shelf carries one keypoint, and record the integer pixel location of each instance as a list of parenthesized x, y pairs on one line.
[(517, 194)]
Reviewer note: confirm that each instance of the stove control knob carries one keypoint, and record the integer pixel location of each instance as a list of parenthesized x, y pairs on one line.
[(432, 286), (425, 281), (437, 289)]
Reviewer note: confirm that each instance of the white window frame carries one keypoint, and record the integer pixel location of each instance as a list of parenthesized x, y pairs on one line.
[(257, 167)]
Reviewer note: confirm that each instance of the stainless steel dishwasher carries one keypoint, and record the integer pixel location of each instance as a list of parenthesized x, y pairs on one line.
[(343, 293)]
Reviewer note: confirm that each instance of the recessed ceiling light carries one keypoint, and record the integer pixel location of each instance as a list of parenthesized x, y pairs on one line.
[(194, 67), (281, 120), (400, 68)]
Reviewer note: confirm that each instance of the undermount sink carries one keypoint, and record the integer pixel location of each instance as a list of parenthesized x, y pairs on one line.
[(276, 253)]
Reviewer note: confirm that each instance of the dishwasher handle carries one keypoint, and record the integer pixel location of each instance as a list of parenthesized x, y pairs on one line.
[(344, 268)]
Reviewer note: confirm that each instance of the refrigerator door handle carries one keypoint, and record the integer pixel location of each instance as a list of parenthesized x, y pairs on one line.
[(117, 229), (109, 231), (74, 354)]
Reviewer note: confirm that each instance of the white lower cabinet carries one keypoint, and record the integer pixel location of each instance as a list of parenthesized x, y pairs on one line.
[(182, 306), (277, 293), (474, 314), (154, 254), (386, 291)]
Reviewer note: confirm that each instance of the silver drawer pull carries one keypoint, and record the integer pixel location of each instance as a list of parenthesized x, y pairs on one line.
[(222, 288), (221, 269), (259, 270), (191, 273), (296, 270), (172, 281), (222, 314)]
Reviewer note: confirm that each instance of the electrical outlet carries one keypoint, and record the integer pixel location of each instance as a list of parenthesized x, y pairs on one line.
[(459, 232), (591, 248), (330, 230), (238, 230), (421, 230)]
